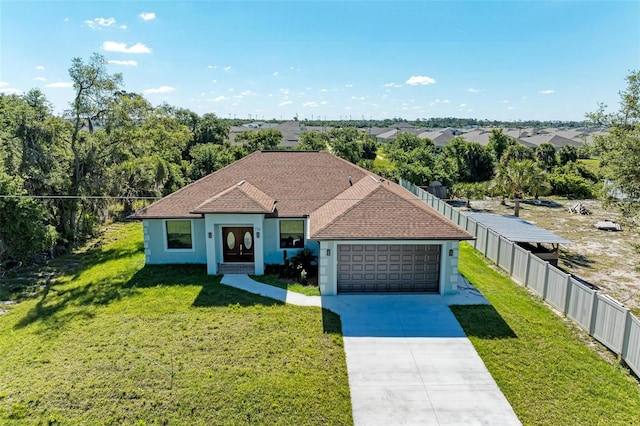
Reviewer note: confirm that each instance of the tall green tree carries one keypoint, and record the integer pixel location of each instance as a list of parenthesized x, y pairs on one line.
[(499, 142), (313, 141), (620, 147), (347, 143), (517, 153), (263, 139), (414, 159), (567, 154), (94, 90), (546, 156), (518, 178)]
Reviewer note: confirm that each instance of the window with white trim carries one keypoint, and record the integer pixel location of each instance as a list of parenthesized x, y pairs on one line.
[(291, 233), (179, 235)]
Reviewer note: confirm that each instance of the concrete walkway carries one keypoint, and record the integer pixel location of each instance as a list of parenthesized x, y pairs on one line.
[(408, 360)]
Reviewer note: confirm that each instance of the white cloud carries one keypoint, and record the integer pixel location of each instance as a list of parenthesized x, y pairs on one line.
[(97, 23), (310, 104), (60, 84), (3, 83), (220, 98), (547, 92), (275, 74), (127, 63), (283, 103), (214, 81), (420, 80), (510, 107), (248, 93), (472, 90), (463, 105), (123, 27), (40, 79), (392, 84), (524, 97), (212, 67), (284, 91), (358, 98), (10, 91), (231, 89), (147, 16), (161, 89), (348, 85), (504, 102), (324, 90), (446, 101), (323, 103), (40, 68), (227, 69), (112, 46)]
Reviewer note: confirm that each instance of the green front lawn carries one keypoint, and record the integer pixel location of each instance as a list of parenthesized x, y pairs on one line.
[(542, 362), (117, 342)]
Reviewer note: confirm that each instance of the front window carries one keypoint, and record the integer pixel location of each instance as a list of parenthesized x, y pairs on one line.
[(179, 234), (291, 233)]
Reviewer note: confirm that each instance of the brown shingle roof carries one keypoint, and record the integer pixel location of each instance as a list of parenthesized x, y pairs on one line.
[(314, 184), (300, 181), (390, 212), (240, 198)]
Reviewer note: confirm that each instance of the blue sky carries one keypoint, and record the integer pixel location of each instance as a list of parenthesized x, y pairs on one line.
[(504, 60)]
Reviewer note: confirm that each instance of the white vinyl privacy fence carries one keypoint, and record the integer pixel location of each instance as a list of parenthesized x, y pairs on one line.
[(603, 317)]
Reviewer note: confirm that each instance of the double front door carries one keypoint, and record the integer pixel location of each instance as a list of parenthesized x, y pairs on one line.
[(237, 243)]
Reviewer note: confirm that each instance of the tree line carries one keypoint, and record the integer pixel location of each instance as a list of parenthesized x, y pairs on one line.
[(61, 176)]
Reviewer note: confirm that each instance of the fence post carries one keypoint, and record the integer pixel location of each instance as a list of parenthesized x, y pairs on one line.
[(594, 312), (627, 334), (567, 297), (498, 253), (486, 241), (546, 281), (526, 270), (513, 255)]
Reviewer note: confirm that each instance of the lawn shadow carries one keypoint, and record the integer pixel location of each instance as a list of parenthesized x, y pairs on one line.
[(212, 292), (575, 260), (215, 294), (331, 323), (483, 322)]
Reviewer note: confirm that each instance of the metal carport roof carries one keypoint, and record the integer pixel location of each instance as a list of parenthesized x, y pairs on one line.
[(517, 230)]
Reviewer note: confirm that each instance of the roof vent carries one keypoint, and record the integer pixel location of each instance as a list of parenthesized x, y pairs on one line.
[(374, 179), (240, 183), (350, 181)]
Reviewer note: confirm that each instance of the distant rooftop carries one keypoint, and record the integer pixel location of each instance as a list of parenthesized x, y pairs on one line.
[(517, 230)]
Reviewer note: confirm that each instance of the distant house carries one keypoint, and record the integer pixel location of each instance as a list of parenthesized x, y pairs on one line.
[(370, 235)]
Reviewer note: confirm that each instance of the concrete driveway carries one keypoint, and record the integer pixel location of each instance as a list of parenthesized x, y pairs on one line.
[(408, 360), (410, 363)]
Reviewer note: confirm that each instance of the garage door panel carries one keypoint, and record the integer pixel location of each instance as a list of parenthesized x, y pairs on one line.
[(388, 268)]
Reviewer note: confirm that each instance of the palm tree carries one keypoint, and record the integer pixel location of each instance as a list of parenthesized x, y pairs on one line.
[(518, 177)]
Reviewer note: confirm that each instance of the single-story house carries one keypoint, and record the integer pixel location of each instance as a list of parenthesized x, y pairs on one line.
[(370, 234)]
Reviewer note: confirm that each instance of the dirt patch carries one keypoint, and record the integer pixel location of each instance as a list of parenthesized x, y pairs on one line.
[(606, 259)]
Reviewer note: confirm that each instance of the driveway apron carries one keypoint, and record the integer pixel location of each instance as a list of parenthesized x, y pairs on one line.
[(410, 363)]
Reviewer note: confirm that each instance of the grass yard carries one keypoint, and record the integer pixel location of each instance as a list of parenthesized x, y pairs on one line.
[(541, 361), (117, 342)]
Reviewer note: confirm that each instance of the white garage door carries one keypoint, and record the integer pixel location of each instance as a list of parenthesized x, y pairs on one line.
[(388, 268)]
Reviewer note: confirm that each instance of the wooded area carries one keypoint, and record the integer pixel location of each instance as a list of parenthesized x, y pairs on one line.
[(61, 176)]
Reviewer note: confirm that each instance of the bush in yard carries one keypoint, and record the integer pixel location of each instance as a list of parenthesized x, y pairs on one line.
[(571, 186), (23, 228), (300, 266)]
